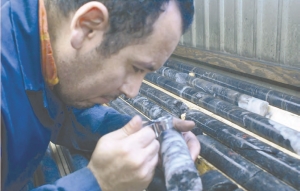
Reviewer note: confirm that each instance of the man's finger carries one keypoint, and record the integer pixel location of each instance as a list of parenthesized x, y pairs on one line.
[(183, 125), (193, 144), (143, 137), (152, 164), (152, 150), (133, 126)]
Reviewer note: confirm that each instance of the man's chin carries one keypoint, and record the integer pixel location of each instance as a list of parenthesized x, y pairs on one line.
[(82, 105), (87, 104)]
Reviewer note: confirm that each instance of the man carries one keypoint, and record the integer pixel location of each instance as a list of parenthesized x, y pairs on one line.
[(91, 52)]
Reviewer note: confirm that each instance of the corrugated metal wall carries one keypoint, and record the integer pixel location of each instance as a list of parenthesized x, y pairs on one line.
[(267, 30)]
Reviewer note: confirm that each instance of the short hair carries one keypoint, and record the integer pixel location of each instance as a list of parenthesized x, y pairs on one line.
[(130, 20)]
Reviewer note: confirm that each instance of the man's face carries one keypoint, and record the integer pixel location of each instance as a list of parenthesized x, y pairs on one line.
[(88, 79)]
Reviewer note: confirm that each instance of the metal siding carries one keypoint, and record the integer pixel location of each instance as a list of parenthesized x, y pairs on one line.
[(187, 37), (229, 27), (247, 30), (199, 24), (293, 34), (214, 25), (267, 30)]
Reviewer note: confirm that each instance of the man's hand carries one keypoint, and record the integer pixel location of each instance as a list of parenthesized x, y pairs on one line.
[(190, 139), (125, 159)]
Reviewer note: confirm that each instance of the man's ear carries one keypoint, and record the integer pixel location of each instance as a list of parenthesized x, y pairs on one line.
[(90, 19)]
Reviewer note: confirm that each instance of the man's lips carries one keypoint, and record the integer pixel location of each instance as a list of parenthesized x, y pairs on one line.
[(103, 99), (107, 99)]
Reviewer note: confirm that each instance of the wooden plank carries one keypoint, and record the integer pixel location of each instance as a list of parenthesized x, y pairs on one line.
[(266, 70)]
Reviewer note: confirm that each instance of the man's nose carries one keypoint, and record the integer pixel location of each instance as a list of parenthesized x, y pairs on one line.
[(131, 89)]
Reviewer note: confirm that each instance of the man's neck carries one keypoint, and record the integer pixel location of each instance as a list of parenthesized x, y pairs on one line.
[(53, 19)]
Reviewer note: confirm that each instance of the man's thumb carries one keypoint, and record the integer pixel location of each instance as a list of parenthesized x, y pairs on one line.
[(134, 125)]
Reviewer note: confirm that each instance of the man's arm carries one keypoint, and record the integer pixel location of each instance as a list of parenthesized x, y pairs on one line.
[(80, 180), (85, 126), (131, 151), (123, 160)]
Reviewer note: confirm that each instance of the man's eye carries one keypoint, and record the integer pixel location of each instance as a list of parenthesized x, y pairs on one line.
[(137, 69)]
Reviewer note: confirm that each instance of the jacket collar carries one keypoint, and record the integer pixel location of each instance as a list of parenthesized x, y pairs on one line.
[(25, 19)]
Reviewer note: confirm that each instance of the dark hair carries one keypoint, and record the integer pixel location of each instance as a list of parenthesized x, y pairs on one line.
[(130, 20)]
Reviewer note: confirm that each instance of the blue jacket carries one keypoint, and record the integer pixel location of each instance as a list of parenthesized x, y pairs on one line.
[(32, 115)]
